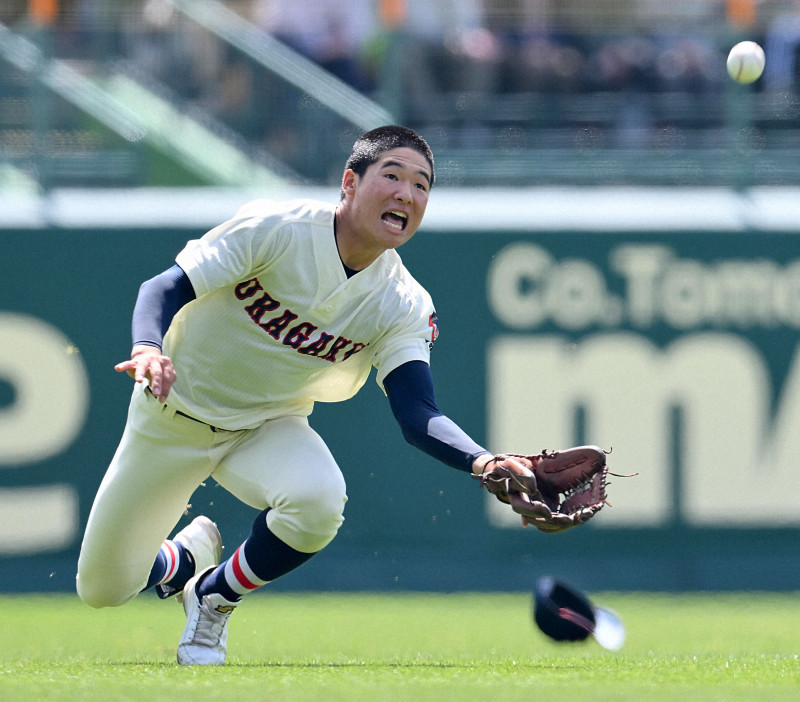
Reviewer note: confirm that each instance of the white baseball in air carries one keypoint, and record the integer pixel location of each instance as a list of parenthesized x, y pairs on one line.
[(746, 62)]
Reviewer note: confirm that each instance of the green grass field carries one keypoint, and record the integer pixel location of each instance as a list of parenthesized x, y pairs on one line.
[(404, 648)]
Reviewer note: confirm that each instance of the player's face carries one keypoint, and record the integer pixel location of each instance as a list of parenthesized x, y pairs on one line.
[(389, 200)]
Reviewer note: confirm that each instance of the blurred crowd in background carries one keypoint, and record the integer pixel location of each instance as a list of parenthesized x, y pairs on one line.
[(443, 54), (491, 45), (503, 46)]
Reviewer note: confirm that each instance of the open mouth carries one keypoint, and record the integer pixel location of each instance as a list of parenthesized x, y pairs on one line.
[(396, 220)]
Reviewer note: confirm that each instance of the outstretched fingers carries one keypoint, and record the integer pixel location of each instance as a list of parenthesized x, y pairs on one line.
[(148, 364)]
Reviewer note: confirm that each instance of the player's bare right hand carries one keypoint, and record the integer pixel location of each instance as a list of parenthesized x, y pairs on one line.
[(148, 363)]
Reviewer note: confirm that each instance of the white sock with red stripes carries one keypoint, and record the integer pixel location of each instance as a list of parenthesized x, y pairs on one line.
[(239, 575), (169, 549), (173, 565), (232, 579), (262, 558)]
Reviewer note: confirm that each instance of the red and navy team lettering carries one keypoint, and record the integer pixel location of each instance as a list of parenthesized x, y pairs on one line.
[(282, 327)]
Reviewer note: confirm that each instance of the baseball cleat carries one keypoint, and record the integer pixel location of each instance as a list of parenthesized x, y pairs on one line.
[(205, 637), (202, 540)]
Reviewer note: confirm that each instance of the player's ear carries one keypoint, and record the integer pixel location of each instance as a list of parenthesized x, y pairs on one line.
[(349, 180)]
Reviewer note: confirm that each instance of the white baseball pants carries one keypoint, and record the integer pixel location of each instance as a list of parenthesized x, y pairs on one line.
[(163, 457)]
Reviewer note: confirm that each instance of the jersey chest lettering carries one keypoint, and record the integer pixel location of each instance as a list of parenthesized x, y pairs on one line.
[(303, 337)]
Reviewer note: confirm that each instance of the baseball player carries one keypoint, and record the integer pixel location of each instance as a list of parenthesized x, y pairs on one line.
[(284, 305)]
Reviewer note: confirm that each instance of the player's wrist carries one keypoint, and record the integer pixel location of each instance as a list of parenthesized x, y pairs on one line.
[(144, 347), (480, 462)]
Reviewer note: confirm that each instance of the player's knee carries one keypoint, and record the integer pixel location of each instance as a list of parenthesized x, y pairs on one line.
[(99, 592), (310, 520), (96, 597), (322, 525), (319, 521)]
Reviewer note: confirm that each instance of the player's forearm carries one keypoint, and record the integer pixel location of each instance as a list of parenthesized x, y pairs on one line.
[(158, 302), (445, 441), (410, 392)]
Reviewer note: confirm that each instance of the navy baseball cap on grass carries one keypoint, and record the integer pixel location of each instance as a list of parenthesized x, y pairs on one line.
[(565, 614)]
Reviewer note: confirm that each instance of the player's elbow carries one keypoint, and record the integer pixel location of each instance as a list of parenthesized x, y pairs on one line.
[(413, 434)]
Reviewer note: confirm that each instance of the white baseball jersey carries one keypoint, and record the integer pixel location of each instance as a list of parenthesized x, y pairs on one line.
[(278, 325)]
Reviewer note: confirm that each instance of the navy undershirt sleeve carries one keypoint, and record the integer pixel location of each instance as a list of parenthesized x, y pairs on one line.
[(158, 302), (410, 391)]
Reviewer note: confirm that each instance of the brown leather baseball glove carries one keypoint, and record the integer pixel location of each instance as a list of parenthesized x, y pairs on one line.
[(552, 491)]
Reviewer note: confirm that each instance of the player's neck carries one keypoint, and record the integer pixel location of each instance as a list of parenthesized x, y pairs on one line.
[(354, 256)]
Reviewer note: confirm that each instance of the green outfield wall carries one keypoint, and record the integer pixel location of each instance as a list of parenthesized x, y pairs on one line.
[(673, 343)]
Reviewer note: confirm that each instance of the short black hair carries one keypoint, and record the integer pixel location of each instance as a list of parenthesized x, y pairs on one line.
[(369, 147)]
